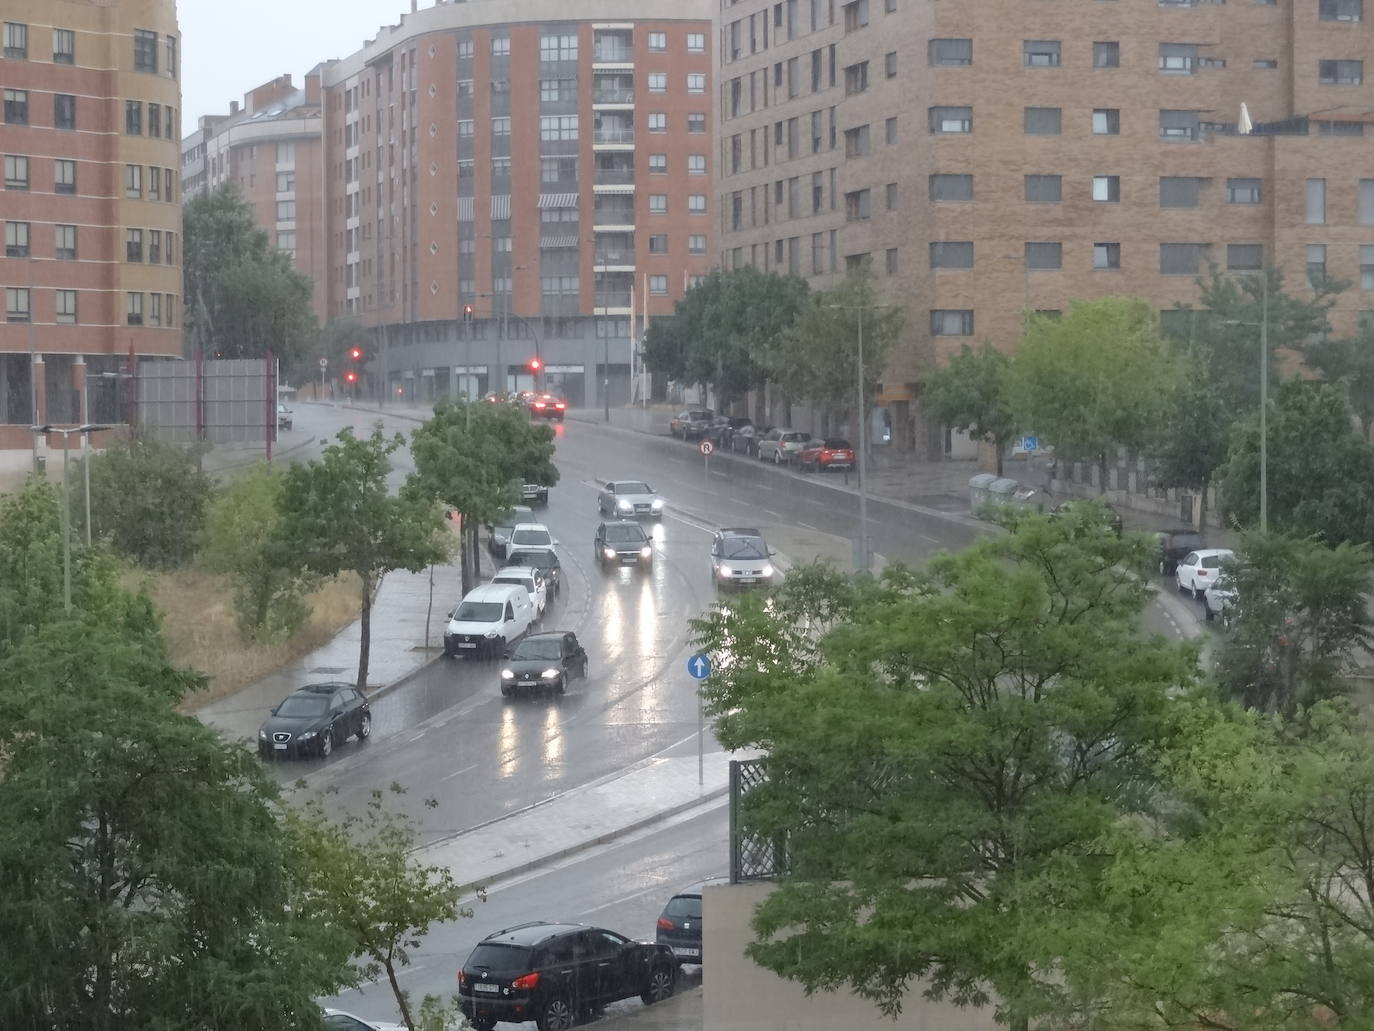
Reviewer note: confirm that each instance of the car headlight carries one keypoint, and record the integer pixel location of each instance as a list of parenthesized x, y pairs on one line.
[(507, 674), (768, 569), (608, 552), (489, 634), (262, 735), (550, 674), (308, 735), (624, 506), (645, 551), (658, 504)]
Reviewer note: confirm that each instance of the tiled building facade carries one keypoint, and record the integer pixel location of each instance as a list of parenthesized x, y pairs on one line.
[(90, 204), (991, 156), (542, 168)]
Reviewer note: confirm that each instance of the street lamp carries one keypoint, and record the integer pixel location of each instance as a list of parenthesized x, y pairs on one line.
[(861, 417), (1263, 325), (46, 428)]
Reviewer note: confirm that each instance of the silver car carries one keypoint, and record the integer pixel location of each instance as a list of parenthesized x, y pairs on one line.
[(626, 498), (740, 557), (781, 446)]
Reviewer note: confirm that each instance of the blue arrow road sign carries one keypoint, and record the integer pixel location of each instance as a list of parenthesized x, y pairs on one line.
[(699, 666)]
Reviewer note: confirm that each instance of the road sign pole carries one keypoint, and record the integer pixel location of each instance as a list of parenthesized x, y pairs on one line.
[(699, 668)]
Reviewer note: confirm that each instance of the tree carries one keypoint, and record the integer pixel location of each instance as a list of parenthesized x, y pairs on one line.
[(367, 884), (1096, 380), (971, 394), (1191, 441), (1349, 363), (337, 515), (1320, 470), (148, 500), (473, 457), (1301, 621), (933, 740)]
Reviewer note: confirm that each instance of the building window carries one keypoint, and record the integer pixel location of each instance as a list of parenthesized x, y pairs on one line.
[(1366, 212), (155, 122), (16, 172), (855, 15), (66, 307), (1316, 202), (658, 82), (171, 247), (1044, 189), (16, 41), (696, 203), (1330, 128), (286, 210), (696, 42), (63, 46), (951, 120), (1367, 266), (890, 64), (958, 254), (1042, 121), (1340, 73), (1178, 58), (658, 42), (145, 50), (64, 176), (947, 186), (951, 322), (1244, 257), (856, 78), (1180, 259), (696, 164), (64, 242), (1265, 62), (1179, 125), (1106, 255), (557, 127), (155, 245), (658, 244), (1106, 121), (133, 118), (16, 107), (465, 54), (856, 206), (658, 164), (891, 191), (658, 121), (1244, 191), (17, 304), (1107, 188), (500, 126), (696, 122), (658, 286), (16, 239), (171, 57), (856, 142), (154, 309), (696, 244), (1179, 191), (1107, 55), (500, 46), (696, 82), (1341, 10), (133, 245), (1044, 255), (891, 261), (658, 204), (63, 111), (1040, 53), (133, 308), (1316, 265), (951, 52), (133, 181), (557, 47)]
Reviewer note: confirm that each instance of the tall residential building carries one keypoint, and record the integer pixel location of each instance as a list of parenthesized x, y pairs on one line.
[(271, 148), (992, 156), (91, 207), (540, 162)]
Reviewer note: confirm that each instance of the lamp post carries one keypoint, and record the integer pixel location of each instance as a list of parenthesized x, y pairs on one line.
[(84, 428), (1263, 325), (861, 418), (606, 347)]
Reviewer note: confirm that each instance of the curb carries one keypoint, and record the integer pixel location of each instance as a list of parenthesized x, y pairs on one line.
[(262, 457)]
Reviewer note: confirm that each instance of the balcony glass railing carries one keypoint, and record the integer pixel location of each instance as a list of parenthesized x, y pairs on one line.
[(619, 256), (613, 96), (612, 53), (613, 299), (614, 134), (614, 177), (614, 216)]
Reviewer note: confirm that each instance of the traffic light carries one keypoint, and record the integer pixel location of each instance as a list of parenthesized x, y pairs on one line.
[(467, 313), (535, 365), (350, 377), (355, 354)]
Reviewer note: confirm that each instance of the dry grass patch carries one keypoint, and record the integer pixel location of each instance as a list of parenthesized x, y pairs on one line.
[(202, 633)]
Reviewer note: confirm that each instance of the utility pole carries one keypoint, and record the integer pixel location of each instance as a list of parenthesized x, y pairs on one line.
[(863, 454), (1264, 406)]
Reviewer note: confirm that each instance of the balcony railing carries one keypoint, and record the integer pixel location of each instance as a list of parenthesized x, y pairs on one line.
[(614, 177), (612, 53), (613, 96), (614, 216), (613, 299), (613, 135), (618, 256)]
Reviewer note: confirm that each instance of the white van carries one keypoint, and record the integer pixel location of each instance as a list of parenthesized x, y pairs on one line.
[(487, 619)]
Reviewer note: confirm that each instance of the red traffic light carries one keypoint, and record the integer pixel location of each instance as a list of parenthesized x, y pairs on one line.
[(350, 376), (467, 309), (355, 354), (535, 365)]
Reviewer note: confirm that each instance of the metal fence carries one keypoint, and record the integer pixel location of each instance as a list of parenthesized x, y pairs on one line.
[(222, 401), (752, 856)]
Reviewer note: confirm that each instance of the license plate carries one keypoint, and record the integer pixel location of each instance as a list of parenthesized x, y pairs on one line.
[(492, 988), (467, 644), (744, 580), (629, 560), (682, 950), (279, 747), (524, 683)]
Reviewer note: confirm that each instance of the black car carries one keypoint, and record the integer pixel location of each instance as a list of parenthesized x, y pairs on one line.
[(622, 543), (679, 925), (723, 429), (543, 662), (745, 440), (1110, 514), (312, 720), (534, 494), (1174, 545), (499, 536), (543, 559), (555, 974)]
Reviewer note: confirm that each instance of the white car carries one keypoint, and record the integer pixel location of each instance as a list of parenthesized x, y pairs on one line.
[(532, 580), (338, 1020), (1220, 599), (529, 535), (1198, 570), (624, 499)]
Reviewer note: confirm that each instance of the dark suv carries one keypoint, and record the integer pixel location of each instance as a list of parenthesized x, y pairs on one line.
[(679, 925), (555, 974), (1173, 545)]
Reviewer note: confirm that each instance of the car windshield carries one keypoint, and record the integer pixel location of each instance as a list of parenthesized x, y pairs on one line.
[(837, 444), (632, 487), (537, 649), (298, 705), (624, 534), (479, 612), (537, 559), (499, 958), (530, 537), (685, 906), (743, 547)]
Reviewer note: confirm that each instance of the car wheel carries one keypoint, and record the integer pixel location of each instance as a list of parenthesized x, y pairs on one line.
[(1178, 581), (327, 743), (556, 1015), (507, 691), (560, 686), (365, 727), (777, 458), (659, 986), (582, 670), (482, 1024), (1197, 594)]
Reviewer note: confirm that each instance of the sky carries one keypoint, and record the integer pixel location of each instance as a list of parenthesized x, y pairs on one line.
[(231, 46)]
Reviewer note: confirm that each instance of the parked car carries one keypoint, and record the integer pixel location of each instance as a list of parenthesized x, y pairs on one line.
[(740, 558), (548, 406), (543, 662), (553, 974), (723, 429), (1111, 514), (284, 417), (534, 494), (1174, 545), (312, 720), (830, 453), (1220, 600), (498, 536), (679, 925), (533, 582), (690, 425), (489, 617), (624, 498), (622, 543), (780, 446), (530, 535), (745, 440), (338, 1020), (543, 559), (1198, 570)]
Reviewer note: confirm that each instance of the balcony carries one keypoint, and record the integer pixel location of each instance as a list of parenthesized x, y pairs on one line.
[(612, 53), (614, 214), (614, 175), (612, 95), (613, 299), (614, 135)]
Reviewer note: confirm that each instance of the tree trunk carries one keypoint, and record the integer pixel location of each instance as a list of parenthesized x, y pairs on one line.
[(1102, 473), (401, 1001), (1001, 447), (1202, 507), (1019, 1023), (463, 556), (365, 626)]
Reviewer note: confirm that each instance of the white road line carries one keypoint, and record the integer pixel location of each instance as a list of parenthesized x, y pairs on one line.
[(929, 539), (465, 769), (657, 888), (808, 526)]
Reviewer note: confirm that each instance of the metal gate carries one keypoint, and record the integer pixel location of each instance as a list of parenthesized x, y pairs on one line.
[(752, 856)]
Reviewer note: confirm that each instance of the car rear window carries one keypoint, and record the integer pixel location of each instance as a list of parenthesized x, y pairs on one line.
[(837, 444), (687, 907), (1212, 562), (500, 958), (1187, 541), (531, 537)]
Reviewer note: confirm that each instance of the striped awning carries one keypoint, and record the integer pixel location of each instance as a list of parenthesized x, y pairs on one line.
[(558, 200), (500, 205), (465, 213), (557, 241)]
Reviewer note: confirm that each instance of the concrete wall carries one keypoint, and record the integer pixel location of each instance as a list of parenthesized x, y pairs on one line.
[(741, 996)]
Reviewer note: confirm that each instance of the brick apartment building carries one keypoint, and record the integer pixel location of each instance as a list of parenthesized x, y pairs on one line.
[(539, 161), (990, 156), (272, 149), (91, 208)]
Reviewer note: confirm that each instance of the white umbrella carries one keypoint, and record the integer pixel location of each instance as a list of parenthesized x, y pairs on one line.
[(1244, 126)]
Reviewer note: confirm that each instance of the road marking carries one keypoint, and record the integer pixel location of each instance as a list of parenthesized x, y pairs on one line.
[(465, 769), (808, 526), (929, 539), (623, 899)]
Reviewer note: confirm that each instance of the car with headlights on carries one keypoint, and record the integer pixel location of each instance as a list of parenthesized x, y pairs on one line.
[(622, 543), (543, 559), (543, 662), (285, 417), (740, 557), (498, 536), (625, 498), (312, 720)]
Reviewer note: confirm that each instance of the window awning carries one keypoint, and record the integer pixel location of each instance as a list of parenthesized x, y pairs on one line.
[(465, 213), (558, 200), (500, 206)]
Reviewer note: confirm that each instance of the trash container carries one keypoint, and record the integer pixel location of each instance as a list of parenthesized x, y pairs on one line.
[(978, 490)]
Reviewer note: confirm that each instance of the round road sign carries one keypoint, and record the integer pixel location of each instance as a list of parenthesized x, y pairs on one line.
[(324, 363), (706, 447)]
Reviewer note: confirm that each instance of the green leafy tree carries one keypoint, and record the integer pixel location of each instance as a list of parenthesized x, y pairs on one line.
[(1096, 380), (1320, 470), (1301, 621), (1349, 363), (473, 457), (368, 885), (971, 393), (932, 741), (148, 501), (1191, 442), (241, 539), (337, 515)]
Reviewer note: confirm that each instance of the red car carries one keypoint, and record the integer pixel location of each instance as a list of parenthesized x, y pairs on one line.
[(546, 406), (830, 453)]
